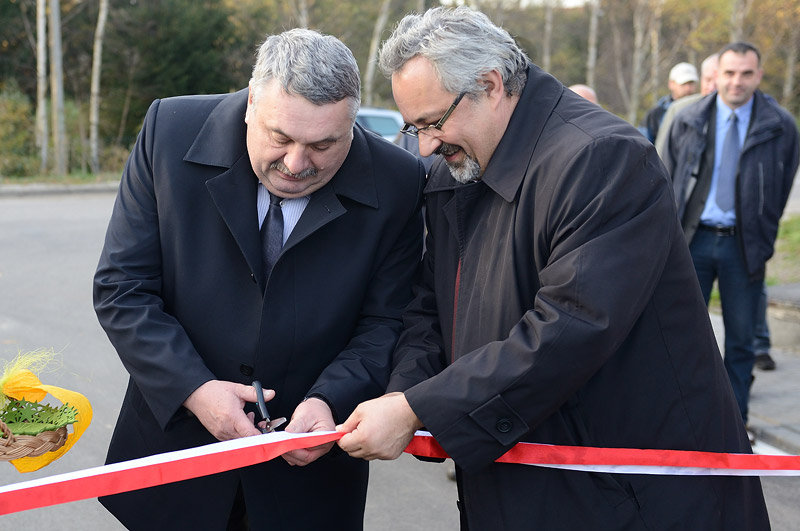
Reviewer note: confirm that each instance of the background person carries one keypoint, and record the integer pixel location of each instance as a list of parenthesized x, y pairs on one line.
[(682, 82), (733, 156), (708, 84), (558, 302), (184, 292), (585, 92)]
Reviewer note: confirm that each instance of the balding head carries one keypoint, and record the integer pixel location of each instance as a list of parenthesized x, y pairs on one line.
[(585, 91)]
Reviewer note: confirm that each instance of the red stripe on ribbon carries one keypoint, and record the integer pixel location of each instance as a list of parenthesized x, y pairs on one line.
[(546, 454)]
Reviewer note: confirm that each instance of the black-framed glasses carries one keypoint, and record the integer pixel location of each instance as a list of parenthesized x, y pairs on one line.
[(413, 130)]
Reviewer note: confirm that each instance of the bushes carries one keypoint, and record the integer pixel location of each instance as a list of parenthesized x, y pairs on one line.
[(18, 155)]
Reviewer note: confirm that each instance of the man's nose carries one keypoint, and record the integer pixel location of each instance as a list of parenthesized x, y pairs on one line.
[(296, 159), (428, 144)]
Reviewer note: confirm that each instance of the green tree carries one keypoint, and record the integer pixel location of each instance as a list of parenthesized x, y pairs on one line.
[(166, 48)]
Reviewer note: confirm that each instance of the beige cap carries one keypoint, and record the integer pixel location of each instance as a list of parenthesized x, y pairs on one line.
[(683, 73)]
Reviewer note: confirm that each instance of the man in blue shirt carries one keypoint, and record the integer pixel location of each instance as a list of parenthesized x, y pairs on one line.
[(732, 157)]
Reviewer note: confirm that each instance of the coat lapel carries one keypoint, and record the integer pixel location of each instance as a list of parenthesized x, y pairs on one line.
[(222, 142), (234, 194)]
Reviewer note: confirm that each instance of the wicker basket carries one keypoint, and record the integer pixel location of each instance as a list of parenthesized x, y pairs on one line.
[(16, 446)]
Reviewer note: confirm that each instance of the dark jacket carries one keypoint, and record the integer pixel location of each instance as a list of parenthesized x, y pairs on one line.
[(652, 120), (767, 166), (578, 321), (179, 291)]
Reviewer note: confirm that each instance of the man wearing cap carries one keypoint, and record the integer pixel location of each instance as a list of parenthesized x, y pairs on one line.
[(708, 84), (682, 82)]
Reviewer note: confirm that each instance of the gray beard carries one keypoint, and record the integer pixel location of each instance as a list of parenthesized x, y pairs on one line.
[(465, 172)]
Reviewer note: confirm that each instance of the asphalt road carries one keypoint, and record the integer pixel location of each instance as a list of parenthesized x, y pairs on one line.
[(49, 246)]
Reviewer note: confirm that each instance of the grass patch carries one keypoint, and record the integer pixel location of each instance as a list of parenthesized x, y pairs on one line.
[(784, 267)]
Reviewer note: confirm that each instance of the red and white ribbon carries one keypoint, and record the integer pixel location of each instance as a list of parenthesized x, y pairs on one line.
[(228, 455), (630, 460), (155, 470)]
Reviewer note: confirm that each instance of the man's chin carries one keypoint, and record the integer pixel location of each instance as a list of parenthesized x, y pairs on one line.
[(465, 170), (290, 187)]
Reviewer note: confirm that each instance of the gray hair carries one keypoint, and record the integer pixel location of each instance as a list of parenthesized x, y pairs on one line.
[(461, 44), (306, 63)]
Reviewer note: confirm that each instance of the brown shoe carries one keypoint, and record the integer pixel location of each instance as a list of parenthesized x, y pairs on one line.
[(764, 361)]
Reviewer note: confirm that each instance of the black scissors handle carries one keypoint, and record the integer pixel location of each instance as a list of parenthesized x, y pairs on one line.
[(269, 425)]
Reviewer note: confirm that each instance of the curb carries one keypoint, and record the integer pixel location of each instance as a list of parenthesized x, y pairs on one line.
[(19, 190), (780, 436)]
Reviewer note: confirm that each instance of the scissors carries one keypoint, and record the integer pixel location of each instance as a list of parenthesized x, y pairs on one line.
[(262, 409)]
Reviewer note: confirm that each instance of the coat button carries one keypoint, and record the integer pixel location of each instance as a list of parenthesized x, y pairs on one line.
[(504, 425), (247, 370), (253, 278)]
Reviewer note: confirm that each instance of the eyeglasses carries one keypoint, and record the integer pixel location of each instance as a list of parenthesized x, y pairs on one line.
[(414, 131)]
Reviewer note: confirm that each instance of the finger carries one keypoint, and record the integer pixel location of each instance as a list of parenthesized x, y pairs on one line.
[(349, 443), (304, 456), (243, 426), (293, 427), (248, 393), (296, 457), (352, 421)]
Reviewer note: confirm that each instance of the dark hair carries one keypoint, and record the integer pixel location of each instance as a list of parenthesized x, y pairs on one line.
[(741, 48)]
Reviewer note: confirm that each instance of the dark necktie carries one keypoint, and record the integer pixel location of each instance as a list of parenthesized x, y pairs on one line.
[(272, 234), (728, 166)]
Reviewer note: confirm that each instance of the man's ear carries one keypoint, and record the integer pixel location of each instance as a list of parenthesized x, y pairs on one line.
[(493, 86), (251, 97)]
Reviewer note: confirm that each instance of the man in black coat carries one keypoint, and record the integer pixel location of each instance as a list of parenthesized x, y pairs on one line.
[(558, 302), (186, 297)]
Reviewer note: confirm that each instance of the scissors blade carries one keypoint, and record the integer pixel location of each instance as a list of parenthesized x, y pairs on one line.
[(273, 424)]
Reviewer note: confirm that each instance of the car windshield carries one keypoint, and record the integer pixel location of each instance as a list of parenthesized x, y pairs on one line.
[(383, 125)]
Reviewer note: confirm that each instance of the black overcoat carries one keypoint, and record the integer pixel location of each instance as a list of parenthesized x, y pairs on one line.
[(180, 293), (577, 320)]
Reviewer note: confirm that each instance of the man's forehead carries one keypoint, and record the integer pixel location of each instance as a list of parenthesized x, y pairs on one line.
[(418, 92), (743, 61), (295, 117)]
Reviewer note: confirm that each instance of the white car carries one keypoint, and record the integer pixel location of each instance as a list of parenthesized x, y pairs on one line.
[(381, 121)]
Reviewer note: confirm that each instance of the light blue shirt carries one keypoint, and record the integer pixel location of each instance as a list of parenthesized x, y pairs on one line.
[(712, 214), (292, 209)]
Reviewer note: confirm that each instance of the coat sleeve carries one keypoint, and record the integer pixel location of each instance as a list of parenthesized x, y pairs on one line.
[(151, 343), (360, 372), (604, 227)]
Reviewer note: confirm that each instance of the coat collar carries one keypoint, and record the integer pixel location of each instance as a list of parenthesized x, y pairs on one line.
[(222, 139), (506, 169), (765, 120)]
